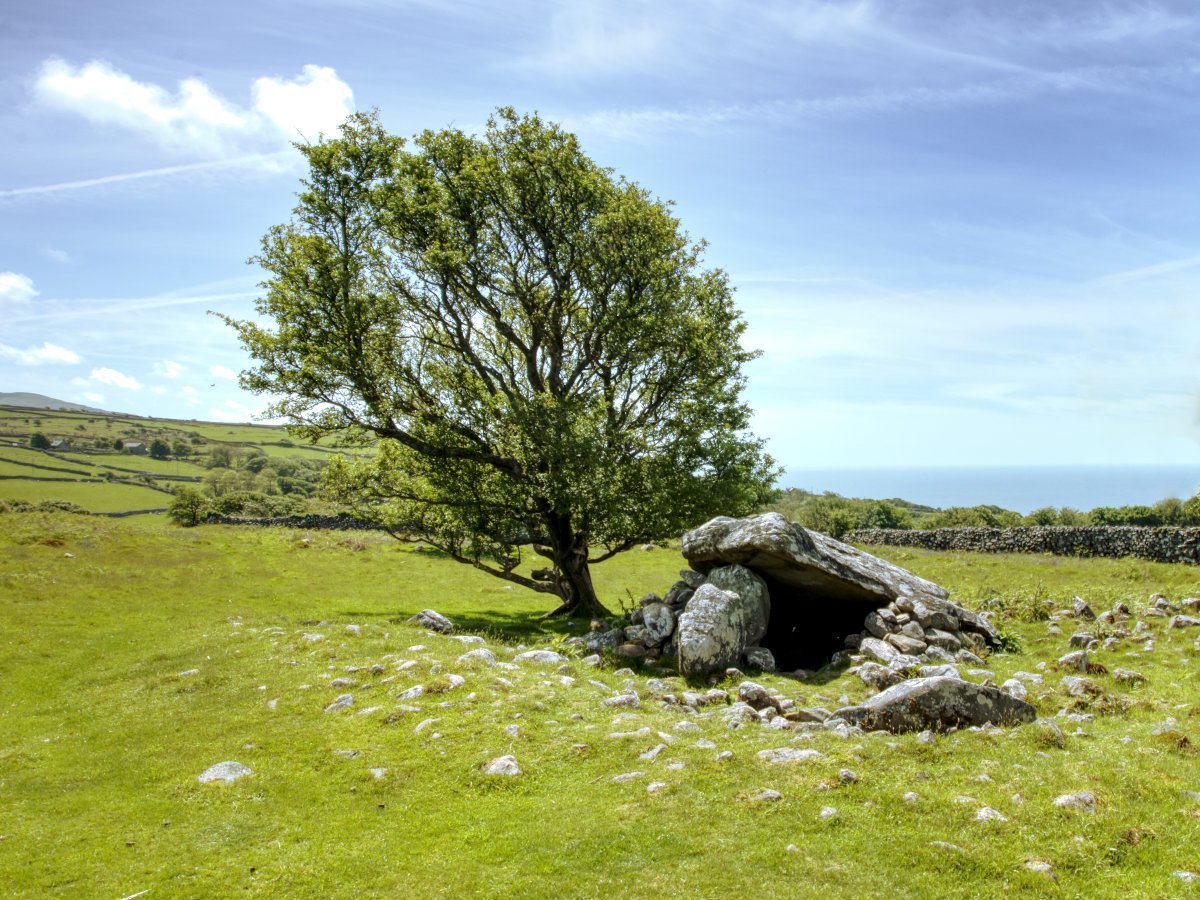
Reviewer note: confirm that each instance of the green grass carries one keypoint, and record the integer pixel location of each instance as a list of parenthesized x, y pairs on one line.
[(120, 462), (104, 738), (94, 497)]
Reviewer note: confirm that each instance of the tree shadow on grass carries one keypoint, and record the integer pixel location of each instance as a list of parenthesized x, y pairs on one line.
[(503, 625)]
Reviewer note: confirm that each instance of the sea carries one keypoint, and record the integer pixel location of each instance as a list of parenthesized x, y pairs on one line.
[(1019, 488)]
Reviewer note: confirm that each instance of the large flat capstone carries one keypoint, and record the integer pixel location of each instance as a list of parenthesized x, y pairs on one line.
[(791, 555)]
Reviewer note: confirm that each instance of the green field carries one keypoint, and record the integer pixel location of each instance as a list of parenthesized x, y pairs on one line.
[(105, 735), (94, 497), (91, 437)]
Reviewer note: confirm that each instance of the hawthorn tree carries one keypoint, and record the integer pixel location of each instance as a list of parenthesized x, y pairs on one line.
[(532, 341)]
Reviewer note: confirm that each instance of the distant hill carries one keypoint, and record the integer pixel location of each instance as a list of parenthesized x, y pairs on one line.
[(41, 401)]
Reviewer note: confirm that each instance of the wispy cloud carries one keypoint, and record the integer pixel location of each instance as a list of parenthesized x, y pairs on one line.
[(168, 369), (36, 356), (1144, 273), (873, 102), (222, 372), (194, 119), (270, 161)]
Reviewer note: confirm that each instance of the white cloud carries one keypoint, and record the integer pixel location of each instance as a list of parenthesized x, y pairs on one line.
[(115, 378), (16, 288), (36, 356), (62, 257), (222, 372), (158, 389), (93, 397), (235, 411), (168, 368), (193, 118)]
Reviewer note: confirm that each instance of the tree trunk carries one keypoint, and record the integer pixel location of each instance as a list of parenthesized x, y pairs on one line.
[(570, 550)]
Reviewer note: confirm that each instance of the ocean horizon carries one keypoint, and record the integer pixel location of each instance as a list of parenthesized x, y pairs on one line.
[(1019, 488)]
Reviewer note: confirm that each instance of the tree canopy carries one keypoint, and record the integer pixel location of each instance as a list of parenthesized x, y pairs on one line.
[(533, 341)]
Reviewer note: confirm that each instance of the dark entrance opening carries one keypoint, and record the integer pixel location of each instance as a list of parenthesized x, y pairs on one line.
[(808, 626)]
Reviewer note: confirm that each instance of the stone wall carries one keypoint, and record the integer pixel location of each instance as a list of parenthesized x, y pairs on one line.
[(1158, 544), (331, 523)]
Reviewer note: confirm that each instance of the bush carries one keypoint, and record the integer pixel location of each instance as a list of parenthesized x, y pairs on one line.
[(39, 441), (159, 449), (258, 505), (188, 507)]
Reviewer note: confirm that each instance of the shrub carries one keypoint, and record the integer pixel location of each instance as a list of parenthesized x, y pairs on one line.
[(39, 441), (188, 507)]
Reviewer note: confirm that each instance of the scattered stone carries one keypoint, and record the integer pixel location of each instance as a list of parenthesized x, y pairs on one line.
[(538, 656), (411, 693), (1080, 687), (502, 765), (1077, 660), (1039, 867), (1082, 609), (479, 656), (788, 755), (1080, 801), (189, 673), (434, 621), (1128, 676), (847, 776), (911, 797), (312, 637), (877, 676), (987, 814), (768, 796), (627, 776), (1186, 876), (724, 755), (423, 724), (1183, 622), (828, 812), (626, 699), (224, 772), (342, 702), (655, 786)]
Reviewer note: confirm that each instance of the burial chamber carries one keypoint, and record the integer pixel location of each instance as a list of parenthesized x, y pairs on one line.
[(820, 590)]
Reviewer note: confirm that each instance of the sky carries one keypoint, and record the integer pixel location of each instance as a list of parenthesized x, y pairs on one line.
[(962, 233)]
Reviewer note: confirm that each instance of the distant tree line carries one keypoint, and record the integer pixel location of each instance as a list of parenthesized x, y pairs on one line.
[(836, 515)]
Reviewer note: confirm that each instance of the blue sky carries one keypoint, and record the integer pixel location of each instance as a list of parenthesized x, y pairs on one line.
[(962, 233)]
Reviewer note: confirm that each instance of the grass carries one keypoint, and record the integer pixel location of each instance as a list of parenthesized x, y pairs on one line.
[(95, 497), (104, 739)]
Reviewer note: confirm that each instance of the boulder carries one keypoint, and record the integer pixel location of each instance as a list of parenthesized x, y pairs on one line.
[(719, 623), (434, 621), (658, 621), (937, 704)]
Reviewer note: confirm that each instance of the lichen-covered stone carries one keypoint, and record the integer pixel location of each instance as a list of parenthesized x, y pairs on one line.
[(937, 704)]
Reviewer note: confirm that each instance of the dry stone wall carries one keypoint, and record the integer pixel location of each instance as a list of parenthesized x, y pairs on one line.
[(1157, 544)]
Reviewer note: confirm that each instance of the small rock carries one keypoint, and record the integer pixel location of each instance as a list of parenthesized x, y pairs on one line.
[(1080, 801), (434, 621), (655, 786), (987, 814), (627, 776), (341, 702), (847, 776), (828, 812), (538, 656), (1128, 676), (1015, 689), (1082, 609), (479, 656), (1039, 867), (788, 755), (189, 673), (225, 772), (502, 765), (768, 796), (1183, 622)]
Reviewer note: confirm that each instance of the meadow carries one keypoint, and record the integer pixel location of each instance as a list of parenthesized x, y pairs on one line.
[(134, 655)]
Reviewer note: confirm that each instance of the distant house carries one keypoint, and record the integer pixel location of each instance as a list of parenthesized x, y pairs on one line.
[(135, 447), (60, 444)]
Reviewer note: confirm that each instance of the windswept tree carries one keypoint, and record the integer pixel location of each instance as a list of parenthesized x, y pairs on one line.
[(532, 340)]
